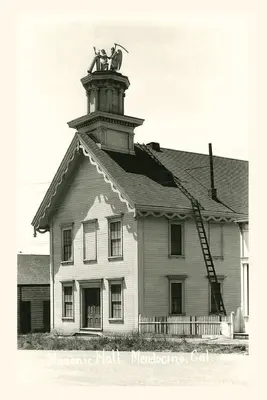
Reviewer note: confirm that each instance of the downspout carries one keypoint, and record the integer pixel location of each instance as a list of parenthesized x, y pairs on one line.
[(213, 190), (52, 295)]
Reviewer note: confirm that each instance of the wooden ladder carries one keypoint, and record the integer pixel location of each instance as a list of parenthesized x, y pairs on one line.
[(196, 207)]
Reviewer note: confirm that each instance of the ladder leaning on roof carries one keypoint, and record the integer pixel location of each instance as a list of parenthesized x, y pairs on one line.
[(215, 287)]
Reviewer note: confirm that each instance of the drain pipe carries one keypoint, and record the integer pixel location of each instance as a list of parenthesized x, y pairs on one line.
[(212, 190)]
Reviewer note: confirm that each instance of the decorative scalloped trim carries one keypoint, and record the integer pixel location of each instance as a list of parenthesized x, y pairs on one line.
[(56, 187), (183, 216), (106, 178)]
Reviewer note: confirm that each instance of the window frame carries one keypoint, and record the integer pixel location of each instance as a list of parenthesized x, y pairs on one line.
[(221, 224), (220, 279), (65, 284), (113, 219), (176, 279), (182, 224), (113, 282), (85, 260), (66, 227)]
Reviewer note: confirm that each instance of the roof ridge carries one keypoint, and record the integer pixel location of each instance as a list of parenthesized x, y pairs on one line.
[(203, 154)]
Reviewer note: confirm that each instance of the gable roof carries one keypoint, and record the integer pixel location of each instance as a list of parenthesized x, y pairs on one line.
[(142, 182), (33, 269)]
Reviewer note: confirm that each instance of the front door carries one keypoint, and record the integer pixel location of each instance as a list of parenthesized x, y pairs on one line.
[(25, 316), (92, 308)]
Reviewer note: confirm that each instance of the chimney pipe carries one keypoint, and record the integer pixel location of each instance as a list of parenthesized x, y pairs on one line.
[(212, 191)]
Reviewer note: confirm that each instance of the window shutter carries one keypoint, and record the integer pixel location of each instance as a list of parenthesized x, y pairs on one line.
[(89, 229), (216, 240)]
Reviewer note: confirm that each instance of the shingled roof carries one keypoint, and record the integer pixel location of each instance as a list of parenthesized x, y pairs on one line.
[(146, 185), (33, 269)]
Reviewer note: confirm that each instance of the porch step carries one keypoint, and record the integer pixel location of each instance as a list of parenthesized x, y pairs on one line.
[(88, 333), (240, 335)]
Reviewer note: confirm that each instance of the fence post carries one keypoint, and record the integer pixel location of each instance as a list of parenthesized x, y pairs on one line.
[(232, 324), (139, 325)]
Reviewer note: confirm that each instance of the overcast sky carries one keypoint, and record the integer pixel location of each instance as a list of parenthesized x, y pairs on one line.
[(189, 81)]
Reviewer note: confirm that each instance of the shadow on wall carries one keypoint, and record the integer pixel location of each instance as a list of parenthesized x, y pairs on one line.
[(127, 224), (86, 205)]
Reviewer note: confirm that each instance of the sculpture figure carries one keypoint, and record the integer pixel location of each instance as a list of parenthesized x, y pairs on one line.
[(101, 59)]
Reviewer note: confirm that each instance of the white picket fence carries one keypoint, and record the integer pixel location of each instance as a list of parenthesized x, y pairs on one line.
[(198, 326)]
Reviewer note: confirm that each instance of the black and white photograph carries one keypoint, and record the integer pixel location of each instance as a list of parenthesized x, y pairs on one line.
[(133, 263)]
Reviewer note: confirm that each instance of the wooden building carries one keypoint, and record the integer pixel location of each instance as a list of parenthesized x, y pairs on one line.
[(33, 293), (123, 239)]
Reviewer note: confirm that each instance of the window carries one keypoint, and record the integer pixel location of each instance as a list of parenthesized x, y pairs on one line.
[(245, 241), (213, 308), (67, 293), (115, 238), (175, 239), (216, 240), (89, 240), (245, 288), (116, 303), (176, 290), (67, 244)]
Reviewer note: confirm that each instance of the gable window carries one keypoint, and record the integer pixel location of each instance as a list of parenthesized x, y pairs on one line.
[(90, 240), (116, 300), (177, 294), (216, 240), (67, 300), (176, 241), (115, 238), (67, 244)]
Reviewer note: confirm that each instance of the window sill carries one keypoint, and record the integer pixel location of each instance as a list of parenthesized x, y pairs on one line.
[(89, 261), (217, 257), (176, 256), (67, 262), (70, 319), (115, 258), (115, 321), (177, 315)]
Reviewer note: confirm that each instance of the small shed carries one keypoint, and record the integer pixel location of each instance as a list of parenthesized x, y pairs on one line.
[(33, 293)]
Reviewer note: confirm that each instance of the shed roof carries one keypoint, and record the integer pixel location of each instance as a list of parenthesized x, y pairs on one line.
[(33, 269)]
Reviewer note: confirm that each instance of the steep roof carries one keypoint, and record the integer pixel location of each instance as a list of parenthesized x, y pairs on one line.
[(33, 269), (143, 182)]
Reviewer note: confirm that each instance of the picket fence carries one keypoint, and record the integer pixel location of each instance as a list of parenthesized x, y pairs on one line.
[(212, 325)]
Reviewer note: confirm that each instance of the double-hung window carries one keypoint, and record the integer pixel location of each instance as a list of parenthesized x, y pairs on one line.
[(67, 300), (66, 243), (115, 238), (116, 300), (176, 239), (217, 292), (177, 294)]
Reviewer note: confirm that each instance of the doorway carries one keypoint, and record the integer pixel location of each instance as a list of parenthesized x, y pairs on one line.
[(92, 318), (25, 317)]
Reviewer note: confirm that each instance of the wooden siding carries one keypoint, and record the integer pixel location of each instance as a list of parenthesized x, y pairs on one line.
[(91, 197), (36, 295), (156, 265)]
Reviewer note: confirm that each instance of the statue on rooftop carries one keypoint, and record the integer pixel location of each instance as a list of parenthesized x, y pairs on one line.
[(103, 62)]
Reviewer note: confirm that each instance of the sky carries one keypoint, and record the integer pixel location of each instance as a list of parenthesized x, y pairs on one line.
[(189, 81)]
